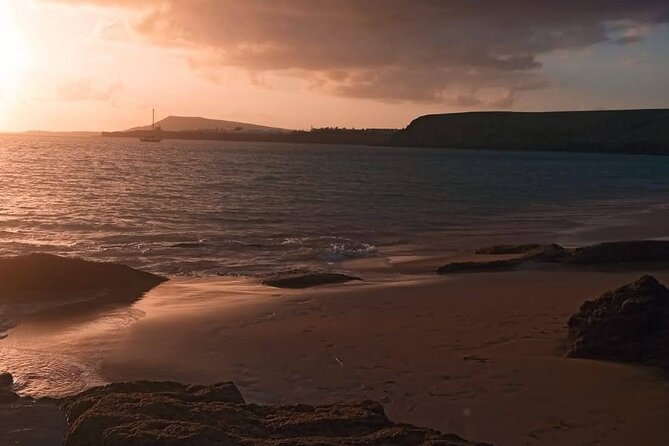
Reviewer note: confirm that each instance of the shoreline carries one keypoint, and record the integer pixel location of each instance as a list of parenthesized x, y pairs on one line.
[(450, 353)]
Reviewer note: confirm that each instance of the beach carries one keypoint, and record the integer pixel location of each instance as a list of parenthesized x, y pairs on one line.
[(479, 354)]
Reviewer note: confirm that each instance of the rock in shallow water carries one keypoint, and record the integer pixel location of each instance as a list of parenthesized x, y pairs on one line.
[(7, 395), (6, 380), (44, 277), (629, 324), (493, 265), (307, 280), (509, 249), (149, 413), (622, 252)]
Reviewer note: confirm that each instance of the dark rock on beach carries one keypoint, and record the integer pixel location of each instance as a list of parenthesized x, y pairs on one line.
[(493, 265), (641, 251), (552, 253), (6, 380), (307, 280), (611, 253), (7, 395), (148, 413), (509, 249), (622, 252), (48, 277), (629, 324)]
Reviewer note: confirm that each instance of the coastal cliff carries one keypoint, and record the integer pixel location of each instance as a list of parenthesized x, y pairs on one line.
[(617, 131)]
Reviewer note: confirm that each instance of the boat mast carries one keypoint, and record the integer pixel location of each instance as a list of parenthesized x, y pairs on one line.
[(153, 123)]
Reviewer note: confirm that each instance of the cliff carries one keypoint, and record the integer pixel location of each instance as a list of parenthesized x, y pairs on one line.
[(617, 131)]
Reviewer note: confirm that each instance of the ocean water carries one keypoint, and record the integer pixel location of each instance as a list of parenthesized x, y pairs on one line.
[(232, 208)]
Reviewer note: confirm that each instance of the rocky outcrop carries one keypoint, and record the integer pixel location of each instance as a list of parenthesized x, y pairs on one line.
[(509, 249), (552, 253), (307, 280), (611, 253), (622, 252), (493, 265), (48, 277), (629, 324), (150, 413)]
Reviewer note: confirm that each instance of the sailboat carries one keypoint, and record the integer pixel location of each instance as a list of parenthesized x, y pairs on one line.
[(154, 137)]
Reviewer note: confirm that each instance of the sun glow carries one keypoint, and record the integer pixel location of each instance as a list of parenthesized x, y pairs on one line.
[(13, 52)]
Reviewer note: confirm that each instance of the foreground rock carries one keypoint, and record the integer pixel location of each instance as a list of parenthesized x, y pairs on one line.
[(630, 324), (47, 277), (150, 413), (307, 280)]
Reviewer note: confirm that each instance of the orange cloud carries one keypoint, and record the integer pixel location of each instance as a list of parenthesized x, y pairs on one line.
[(450, 51)]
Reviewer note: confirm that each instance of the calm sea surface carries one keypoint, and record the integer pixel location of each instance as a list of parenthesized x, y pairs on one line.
[(197, 207)]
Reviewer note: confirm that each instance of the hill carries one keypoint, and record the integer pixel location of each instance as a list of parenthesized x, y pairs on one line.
[(197, 124), (621, 131)]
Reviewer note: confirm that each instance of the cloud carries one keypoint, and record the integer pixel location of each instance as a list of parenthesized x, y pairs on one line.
[(463, 52)]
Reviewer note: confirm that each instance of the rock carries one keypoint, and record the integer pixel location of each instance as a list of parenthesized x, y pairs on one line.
[(629, 324), (146, 413), (644, 251), (552, 253), (622, 252), (494, 265), (6, 380), (307, 280), (47, 277), (509, 249), (8, 396)]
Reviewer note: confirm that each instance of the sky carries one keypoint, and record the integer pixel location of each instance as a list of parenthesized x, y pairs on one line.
[(96, 65)]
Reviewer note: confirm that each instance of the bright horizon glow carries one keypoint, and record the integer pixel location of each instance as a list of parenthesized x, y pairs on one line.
[(14, 57), (96, 65)]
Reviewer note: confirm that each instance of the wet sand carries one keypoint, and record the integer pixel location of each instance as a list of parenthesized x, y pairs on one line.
[(479, 355), (476, 354)]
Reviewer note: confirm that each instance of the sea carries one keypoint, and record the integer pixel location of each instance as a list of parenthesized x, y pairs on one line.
[(251, 209)]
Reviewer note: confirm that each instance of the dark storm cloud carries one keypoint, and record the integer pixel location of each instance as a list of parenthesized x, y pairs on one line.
[(477, 52)]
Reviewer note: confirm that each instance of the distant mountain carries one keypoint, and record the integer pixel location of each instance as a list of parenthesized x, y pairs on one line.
[(622, 131), (195, 124)]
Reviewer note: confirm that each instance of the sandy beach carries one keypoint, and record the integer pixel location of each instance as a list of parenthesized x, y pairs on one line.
[(480, 354)]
